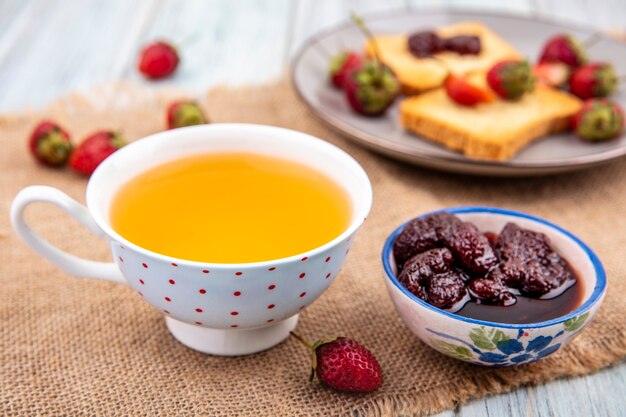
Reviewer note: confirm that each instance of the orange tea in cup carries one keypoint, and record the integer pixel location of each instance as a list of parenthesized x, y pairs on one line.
[(231, 207)]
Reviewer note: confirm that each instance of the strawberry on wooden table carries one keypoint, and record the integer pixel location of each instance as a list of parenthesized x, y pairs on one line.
[(95, 149), (184, 113), (344, 364), (50, 144), (464, 93), (158, 60)]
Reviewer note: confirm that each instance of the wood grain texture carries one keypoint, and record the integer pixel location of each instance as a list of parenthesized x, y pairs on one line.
[(51, 47)]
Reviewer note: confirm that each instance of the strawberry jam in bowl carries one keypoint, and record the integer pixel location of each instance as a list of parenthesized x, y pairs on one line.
[(491, 286)]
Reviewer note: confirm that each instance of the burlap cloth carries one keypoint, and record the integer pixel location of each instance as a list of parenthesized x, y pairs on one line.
[(76, 347)]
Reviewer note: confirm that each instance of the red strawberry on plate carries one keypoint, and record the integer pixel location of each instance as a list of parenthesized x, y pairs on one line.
[(552, 74), (344, 365), (464, 93), (341, 65), (372, 88), (599, 120), (563, 48), (95, 149), (50, 144), (597, 79), (184, 113), (511, 79), (158, 60)]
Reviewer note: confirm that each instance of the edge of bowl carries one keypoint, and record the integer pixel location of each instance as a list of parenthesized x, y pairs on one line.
[(351, 229), (596, 296)]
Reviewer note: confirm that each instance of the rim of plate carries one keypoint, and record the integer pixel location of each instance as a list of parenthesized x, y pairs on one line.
[(384, 144), (600, 275)]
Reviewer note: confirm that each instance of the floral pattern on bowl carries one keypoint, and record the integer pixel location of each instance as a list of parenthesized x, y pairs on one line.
[(491, 343), (492, 347)]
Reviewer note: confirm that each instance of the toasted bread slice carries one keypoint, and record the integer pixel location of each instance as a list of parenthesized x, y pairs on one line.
[(420, 74), (495, 130)]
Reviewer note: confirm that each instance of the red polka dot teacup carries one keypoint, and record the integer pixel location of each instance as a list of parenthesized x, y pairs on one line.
[(224, 309)]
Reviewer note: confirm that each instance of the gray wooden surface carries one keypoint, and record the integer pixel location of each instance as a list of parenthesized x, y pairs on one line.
[(50, 47)]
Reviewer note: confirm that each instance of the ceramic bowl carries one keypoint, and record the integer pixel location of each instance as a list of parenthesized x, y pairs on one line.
[(224, 309), (497, 344)]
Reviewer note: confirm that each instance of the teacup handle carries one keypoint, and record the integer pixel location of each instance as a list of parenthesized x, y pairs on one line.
[(67, 262)]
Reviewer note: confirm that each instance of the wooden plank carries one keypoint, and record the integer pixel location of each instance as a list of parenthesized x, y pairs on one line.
[(600, 394), (223, 42), (313, 16), (607, 14), (56, 47), (10, 12), (518, 6)]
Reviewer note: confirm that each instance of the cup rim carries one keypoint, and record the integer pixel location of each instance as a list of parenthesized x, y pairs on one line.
[(355, 224), (595, 297)]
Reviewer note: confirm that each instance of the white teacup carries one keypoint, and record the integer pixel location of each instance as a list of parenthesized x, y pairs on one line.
[(223, 309)]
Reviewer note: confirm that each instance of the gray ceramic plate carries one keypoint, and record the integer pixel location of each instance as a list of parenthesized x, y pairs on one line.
[(553, 154)]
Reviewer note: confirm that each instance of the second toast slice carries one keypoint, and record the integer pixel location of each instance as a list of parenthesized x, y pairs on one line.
[(496, 130)]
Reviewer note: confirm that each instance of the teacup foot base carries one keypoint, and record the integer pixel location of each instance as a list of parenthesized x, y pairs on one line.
[(231, 342)]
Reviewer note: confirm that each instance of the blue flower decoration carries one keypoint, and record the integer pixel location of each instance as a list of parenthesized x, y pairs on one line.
[(548, 351), (521, 358), (538, 343), (492, 357), (510, 346)]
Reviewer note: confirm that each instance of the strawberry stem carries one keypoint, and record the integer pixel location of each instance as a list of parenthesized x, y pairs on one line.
[(370, 37), (592, 40), (301, 340)]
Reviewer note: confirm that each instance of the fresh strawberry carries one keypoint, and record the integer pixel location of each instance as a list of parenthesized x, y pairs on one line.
[(511, 79), (563, 48), (464, 93), (95, 149), (342, 65), (158, 60), (50, 144), (184, 113), (597, 79), (344, 364), (372, 88), (598, 120), (552, 74)]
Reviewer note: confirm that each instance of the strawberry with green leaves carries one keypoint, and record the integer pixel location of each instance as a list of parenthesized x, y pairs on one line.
[(94, 149), (184, 113), (342, 65), (50, 144), (511, 79), (597, 79), (344, 364), (565, 49), (371, 87), (599, 120)]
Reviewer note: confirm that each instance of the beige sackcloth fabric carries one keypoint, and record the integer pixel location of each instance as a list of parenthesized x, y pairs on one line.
[(74, 347)]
